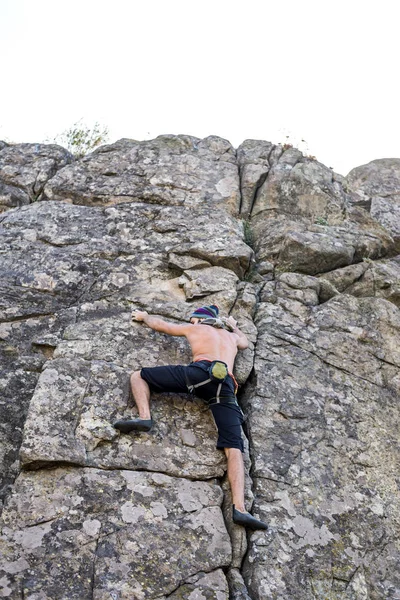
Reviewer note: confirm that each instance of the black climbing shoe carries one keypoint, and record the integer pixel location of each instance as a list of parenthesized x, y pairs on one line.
[(247, 520), (125, 426)]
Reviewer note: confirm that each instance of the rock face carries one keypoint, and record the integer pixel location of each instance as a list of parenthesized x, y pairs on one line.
[(25, 169), (378, 185), (308, 263)]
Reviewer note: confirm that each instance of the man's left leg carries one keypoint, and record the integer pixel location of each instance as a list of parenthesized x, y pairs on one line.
[(236, 476), (228, 418), (236, 481)]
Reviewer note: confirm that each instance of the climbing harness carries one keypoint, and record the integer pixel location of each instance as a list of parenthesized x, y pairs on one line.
[(218, 373)]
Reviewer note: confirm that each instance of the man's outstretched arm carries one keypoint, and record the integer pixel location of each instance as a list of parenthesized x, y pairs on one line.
[(159, 324)]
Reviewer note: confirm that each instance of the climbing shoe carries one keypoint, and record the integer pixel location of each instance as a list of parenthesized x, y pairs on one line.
[(247, 520), (127, 425)]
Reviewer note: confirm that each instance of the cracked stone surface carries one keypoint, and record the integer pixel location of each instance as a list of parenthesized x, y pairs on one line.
[(323, 428), (304, 218), (377, 184), (308, 263), (25, 169), (68, 531), (170, 170)]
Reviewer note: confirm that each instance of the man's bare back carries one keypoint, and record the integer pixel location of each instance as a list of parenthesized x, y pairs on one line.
[(212, 344)]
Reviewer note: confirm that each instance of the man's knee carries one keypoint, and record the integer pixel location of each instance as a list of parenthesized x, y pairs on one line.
[(232, 453), (135, 376)]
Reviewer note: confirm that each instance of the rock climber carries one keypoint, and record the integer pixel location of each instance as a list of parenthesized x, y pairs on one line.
[(214, 343)]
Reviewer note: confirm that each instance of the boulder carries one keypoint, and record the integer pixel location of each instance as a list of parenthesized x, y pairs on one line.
[(25, 170), (377, 184), (170, 170), (301, 215), (80, 533)]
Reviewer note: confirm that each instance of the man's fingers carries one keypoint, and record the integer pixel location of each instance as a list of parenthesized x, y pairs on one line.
[(138, 315)]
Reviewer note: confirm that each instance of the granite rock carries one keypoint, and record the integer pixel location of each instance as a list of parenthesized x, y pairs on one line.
[(377, 186), (299, 256), (170, 170), (25, 170), (88, 533)]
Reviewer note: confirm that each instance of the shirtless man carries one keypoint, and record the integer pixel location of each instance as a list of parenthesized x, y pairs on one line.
[(208, 344)]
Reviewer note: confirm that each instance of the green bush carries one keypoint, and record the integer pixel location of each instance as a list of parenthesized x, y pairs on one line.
[(248, 234), (81, 139)]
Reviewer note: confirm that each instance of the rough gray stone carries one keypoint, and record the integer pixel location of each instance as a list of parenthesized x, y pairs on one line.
[(82, 533), (138, 516), (209, 586), (380, 279), (255, 158), (302, 288), (297, 245), (237, 587), (11, 196), (170, 170), (25, 346), (301, 215), (378, 185), (25, 169), (323, 428)]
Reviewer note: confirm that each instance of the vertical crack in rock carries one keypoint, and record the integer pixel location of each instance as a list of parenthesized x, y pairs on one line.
[(262, 179), (239, 536)]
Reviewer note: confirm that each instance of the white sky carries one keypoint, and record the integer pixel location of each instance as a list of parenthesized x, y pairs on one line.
[(325, 71)]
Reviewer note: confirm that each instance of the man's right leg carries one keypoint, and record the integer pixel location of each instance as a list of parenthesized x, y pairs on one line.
[(169, 378), (141, 395)]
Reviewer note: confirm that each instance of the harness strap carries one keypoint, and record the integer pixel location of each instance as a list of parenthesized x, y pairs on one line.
[(196, 385), (191, 387)]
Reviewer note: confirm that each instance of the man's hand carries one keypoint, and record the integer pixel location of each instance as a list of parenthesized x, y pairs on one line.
[(231, 321), (139, 315)]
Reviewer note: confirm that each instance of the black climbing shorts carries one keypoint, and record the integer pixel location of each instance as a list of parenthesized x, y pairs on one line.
[(227, 415)]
